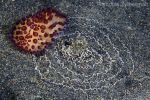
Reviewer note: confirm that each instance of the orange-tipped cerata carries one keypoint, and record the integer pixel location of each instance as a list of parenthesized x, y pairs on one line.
[(35, 32)]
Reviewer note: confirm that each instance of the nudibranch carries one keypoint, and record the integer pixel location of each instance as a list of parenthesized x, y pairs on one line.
[(33, 33)]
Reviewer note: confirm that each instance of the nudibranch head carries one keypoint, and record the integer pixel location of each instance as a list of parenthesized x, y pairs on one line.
[(35, 32)]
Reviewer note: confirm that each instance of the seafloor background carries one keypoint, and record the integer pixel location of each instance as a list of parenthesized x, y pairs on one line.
[(104, 53)]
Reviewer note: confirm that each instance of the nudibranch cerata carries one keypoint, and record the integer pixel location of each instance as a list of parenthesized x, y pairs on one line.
[(33, 33)]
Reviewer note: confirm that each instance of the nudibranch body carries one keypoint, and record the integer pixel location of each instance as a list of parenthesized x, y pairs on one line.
[(35, 32)]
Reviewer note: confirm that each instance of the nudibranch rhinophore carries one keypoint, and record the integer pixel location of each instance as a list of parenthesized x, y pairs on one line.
[(33, 33)]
